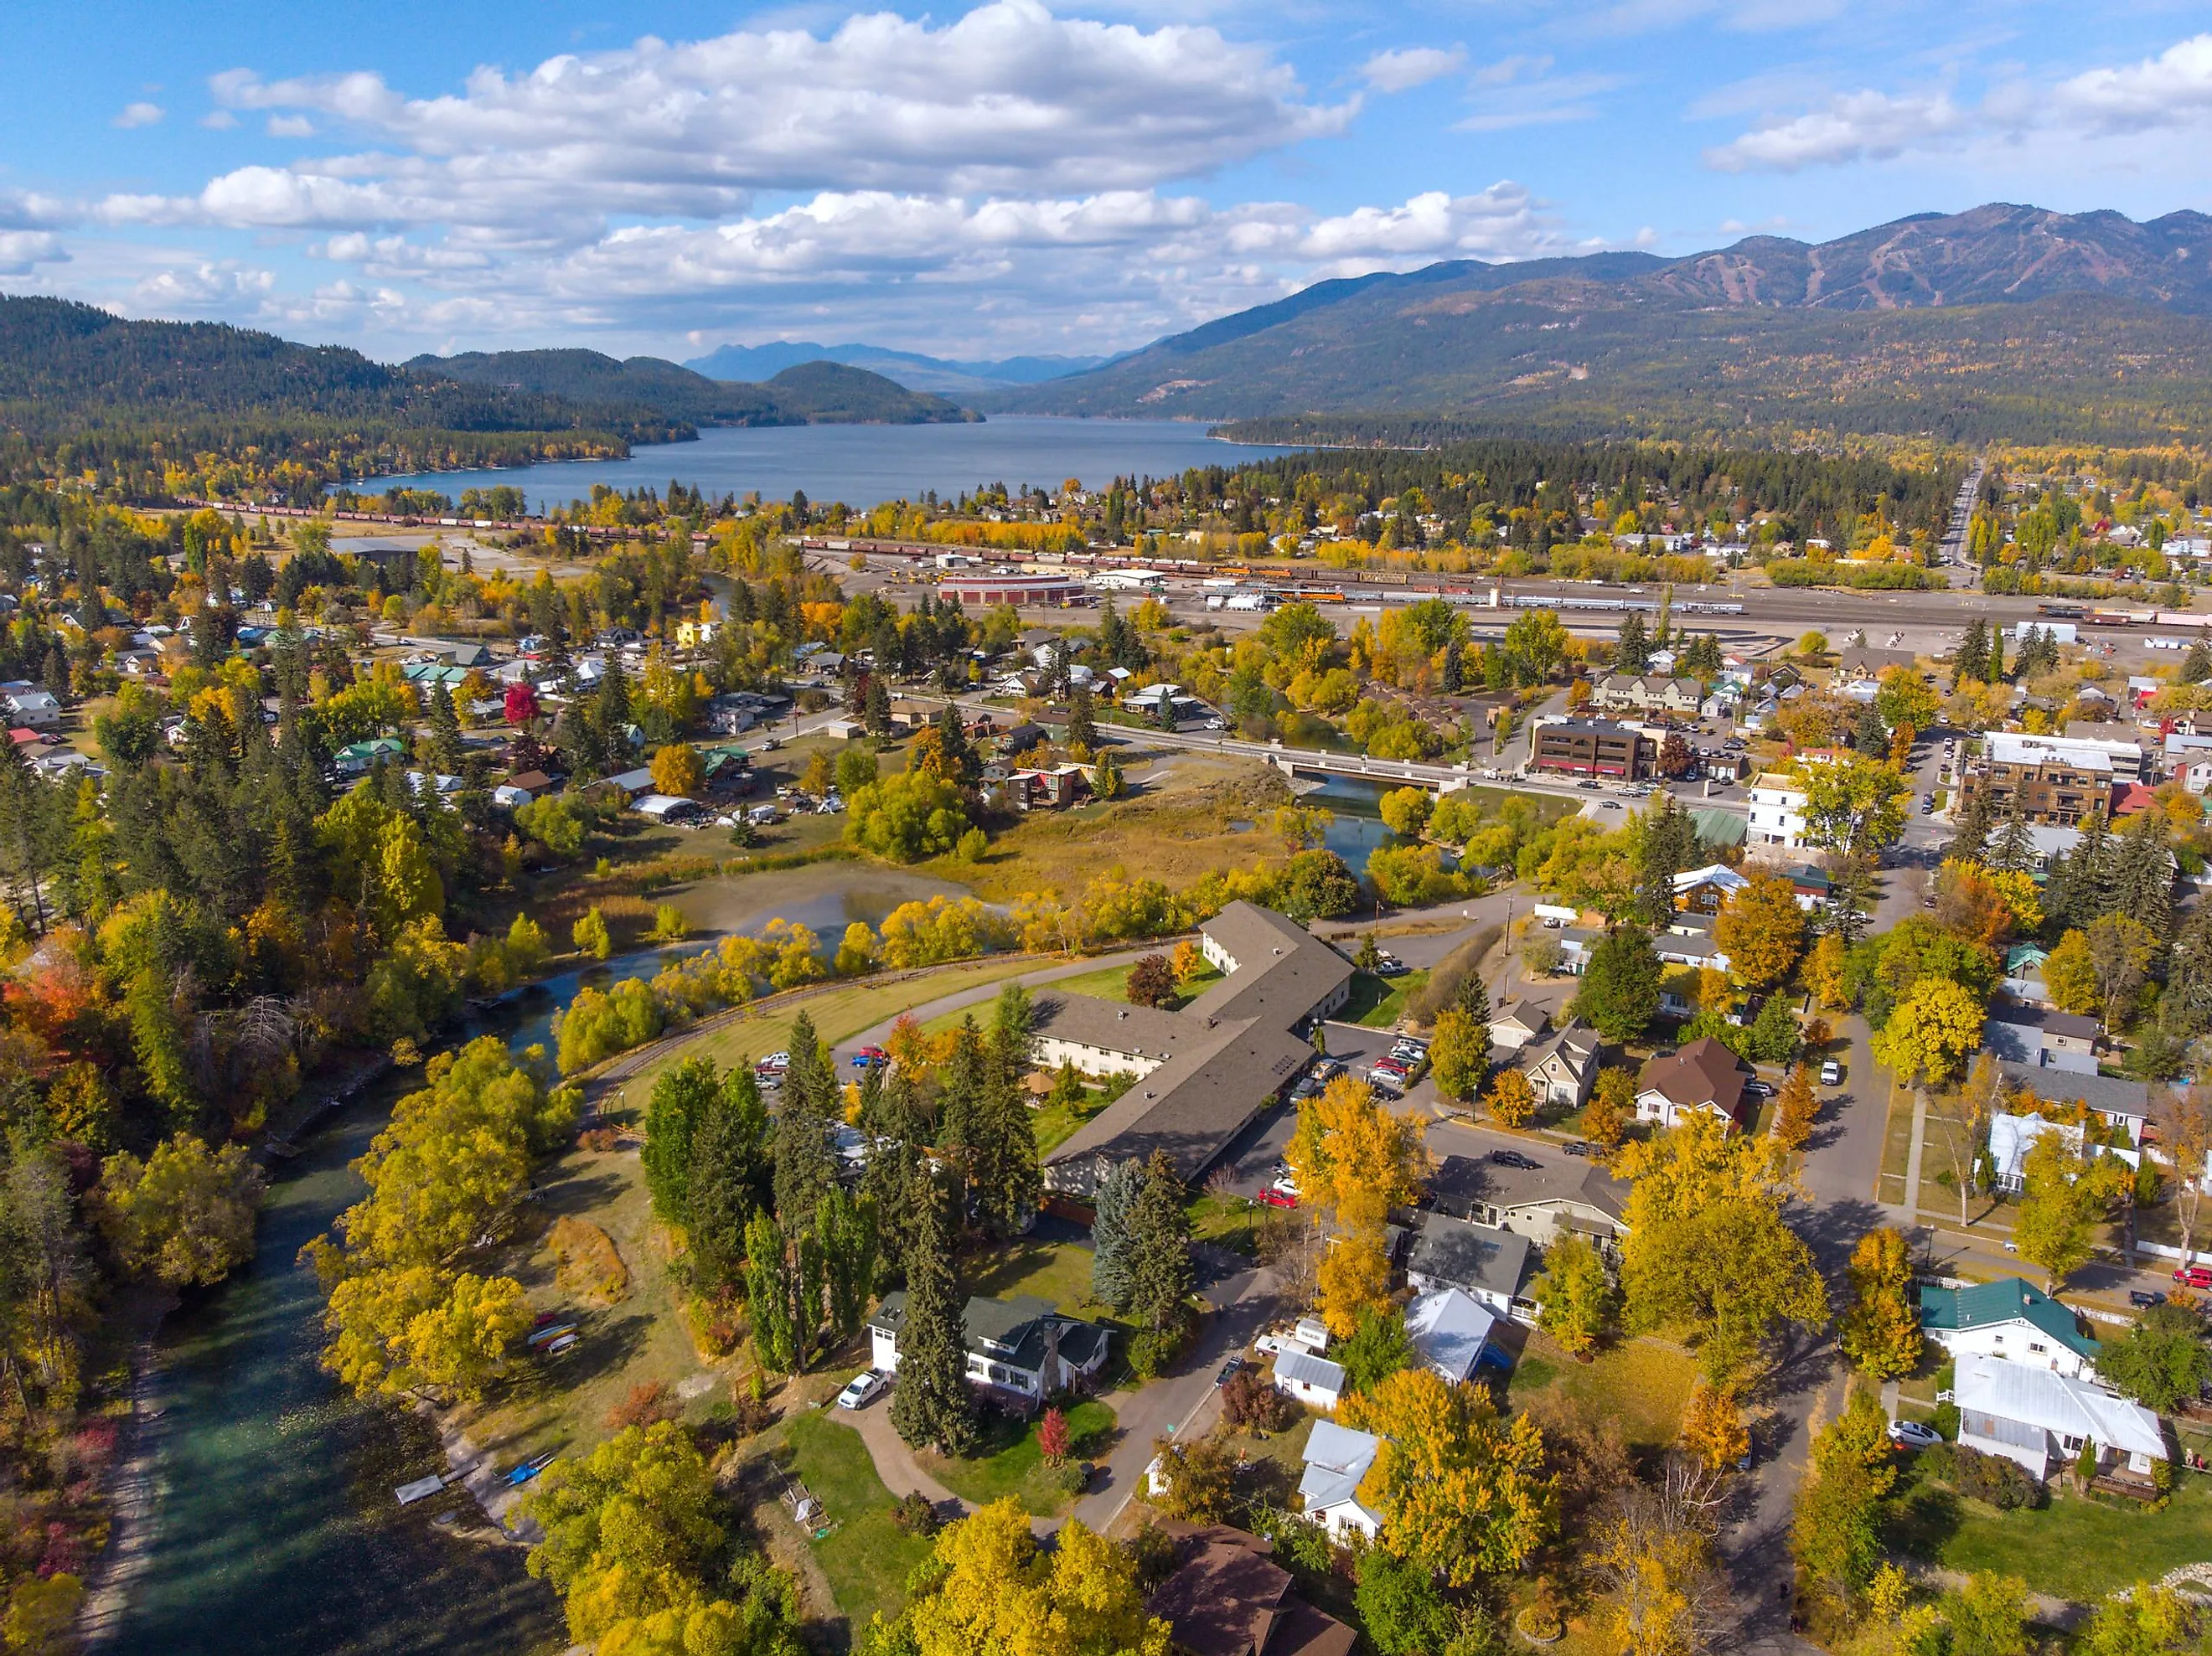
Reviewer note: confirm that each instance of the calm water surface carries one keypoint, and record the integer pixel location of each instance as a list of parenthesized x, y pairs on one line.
[(277, 1531), (865, 465)]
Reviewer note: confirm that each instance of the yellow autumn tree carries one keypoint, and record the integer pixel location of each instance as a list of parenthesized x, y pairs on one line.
[(1511, 1099), (1824, 973), (1713, 1428), (1761, 930), (1354, 1158), (1880, 1328), (998, 1593), (1354, 1278), (677, 770), (1461, 1493)]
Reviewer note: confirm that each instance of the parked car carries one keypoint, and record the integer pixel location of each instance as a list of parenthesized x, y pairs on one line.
[(2143, 1298), (862, 1389), (1275, 1197), (776, 1061), (1228, 1371), (1832, 1073), (869, 1057), (1757, 1090), (1514, 1159), (1912, 1434), (2194, 1275)]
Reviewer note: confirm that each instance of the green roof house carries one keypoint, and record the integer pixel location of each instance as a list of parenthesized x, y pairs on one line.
[(2011, 1319)]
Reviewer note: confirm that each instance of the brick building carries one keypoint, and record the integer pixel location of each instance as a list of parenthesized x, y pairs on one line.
[(1592, 747)]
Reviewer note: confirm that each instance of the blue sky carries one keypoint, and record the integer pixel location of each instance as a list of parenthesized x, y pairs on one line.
[(1010, 177)]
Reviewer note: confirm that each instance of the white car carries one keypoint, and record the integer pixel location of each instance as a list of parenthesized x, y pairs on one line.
[(1912, 1434), (862, 1389)]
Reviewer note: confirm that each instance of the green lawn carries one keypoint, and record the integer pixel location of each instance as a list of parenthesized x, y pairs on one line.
[(1058, 1271), (2074, 1549), (1378, 1003), (1644, 1383), (1229, 1221), (866, 1555), (1013, 1456)]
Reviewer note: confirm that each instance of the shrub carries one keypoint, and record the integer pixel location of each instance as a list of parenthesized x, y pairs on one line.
[(915, 1514), (1250, 1401), (1153, 1352), (588, 1264), (1992, 1479), (648, 1401)]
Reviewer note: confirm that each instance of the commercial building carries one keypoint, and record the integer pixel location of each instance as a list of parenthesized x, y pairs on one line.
[(2057, 780), (1592, 747), (985, 588), (1776, 817)]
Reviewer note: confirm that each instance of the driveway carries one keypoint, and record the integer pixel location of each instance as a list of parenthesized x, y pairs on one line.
[(1185, 1404)]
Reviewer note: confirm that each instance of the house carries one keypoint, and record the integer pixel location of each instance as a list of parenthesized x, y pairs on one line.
[(1227, 1596), (2117, 1102), (356, 758), (1707, 890), (1775, 814), (2023, 976), (1564, 1069), (508, 797), (1857, 661), (1516, 1023), (1336, 1458), (1649, 692), (1702, 1076), (1811, 887), (1451, 1333), (2041, 1419), (1311, 1380), (632, 783), (1022, 1349), (38, 709), (1489, 1265), (2009, 1318), (1207, 1072), (529, 783), (2042, 1038), (1561, 1196)]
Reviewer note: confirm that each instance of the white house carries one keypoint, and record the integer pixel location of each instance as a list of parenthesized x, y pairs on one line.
[(1452, 1332), (2040, 1419), (2009, 1318), (1337, 1458), (1023, 1348), (35, 710), (2011, 1137), (1776, 812), (1489, 1265), (1312, 1379)]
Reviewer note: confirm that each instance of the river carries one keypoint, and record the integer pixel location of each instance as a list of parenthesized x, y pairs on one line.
[(275, 1530), (865, 465)]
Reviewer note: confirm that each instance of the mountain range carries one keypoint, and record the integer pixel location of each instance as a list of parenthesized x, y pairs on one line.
[(810, 392), (915, 371), (2001, 322)]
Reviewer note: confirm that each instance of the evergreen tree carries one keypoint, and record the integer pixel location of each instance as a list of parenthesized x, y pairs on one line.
[(2081, 887), (1632, 653), (444, 747), (1870, 737), (1997, 656), (2143, 875), (1972, 661), (891, 1115), (878, 717), (1471, 998), (959, 752), (2196, 665), (803, 1169), (1970, 824), (1666, 844), (1082, 722), (1620, 993), (771, 1295), (2013, 850), (1452, 676), (2186, 1006), (1160, 1276), (1112, 1278), (731, 1177), (960, 1125), (1007, 1182), (933, 1406)]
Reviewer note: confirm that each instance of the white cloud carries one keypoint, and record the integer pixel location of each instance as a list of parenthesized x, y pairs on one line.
[(1007, 99), (213, 287), (1404, 70), (2174, 87), (1854, 126), (21, 250), (139, 114), (218, 120), (1516, 92), (290, 126)]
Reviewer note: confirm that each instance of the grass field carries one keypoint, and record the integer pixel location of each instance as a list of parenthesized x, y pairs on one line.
[(1014, 1456), (865, 1556), (1378, 1003), (838, 1015), (1226, 1221), (1058, 1271), (1643, 1384), (2075, 1548)]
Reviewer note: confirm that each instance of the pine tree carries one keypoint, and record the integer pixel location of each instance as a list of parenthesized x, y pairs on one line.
[(731, 1177), (933, 1406), (1632, 653), (960, 1113), (1007, 1182), (1472, 998), (803, 1169), (683, 1095), (959, 753), (445, 743), (769, 1295), (1996, 656), (1666, 844), (2013, 850), (1160, 1276), (2081, 887), (1112, 1280), (878, 716), (891, 1115), (845, 1234), (1971, 823), (1082, 722), (1973, 660), (2142, 876), (1871, 735), (2196, 665)]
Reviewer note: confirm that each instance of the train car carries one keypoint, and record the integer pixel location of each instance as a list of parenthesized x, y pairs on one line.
[(2062, 612)]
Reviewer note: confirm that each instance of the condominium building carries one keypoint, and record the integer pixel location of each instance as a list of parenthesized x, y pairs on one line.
[(1592, 747), (2056, 780)]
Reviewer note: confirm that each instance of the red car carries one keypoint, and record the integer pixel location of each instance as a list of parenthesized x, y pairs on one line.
[(2194, 1275), (1278, 1198)]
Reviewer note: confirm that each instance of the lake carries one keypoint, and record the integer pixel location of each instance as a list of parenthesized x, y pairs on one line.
[(865, 465)]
